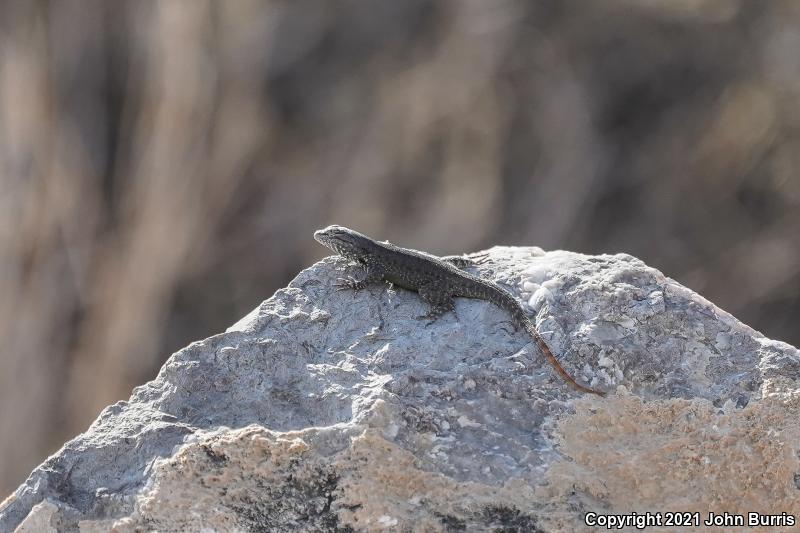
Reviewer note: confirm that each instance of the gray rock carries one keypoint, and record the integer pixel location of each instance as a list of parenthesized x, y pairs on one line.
[(340, 411)]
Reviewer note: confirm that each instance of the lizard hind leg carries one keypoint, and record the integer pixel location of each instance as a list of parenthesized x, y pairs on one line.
[(459, 261), (440, 300), (466, 261)]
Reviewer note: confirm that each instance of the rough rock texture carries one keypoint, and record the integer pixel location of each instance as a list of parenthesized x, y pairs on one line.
[(341, 411)]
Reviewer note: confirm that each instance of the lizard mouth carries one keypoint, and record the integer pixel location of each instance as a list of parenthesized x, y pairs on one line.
[(324, 238), (341, 240), (320, 236), (329, 240)]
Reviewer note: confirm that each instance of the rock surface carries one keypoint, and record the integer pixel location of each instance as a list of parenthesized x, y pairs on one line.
[(341, 411)]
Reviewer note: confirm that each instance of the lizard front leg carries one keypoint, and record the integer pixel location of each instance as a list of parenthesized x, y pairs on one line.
[(372, 274)]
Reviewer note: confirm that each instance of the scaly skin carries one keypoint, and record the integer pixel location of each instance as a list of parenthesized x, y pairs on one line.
[(437, 280)]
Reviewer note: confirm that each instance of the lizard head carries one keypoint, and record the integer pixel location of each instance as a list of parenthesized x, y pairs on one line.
[(345, 242)]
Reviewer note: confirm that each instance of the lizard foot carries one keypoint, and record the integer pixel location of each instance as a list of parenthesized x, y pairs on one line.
[(349, 284), (479, 258), (435, 313)]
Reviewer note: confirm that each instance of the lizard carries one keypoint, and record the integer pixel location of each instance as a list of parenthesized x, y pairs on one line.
[(437, 280)]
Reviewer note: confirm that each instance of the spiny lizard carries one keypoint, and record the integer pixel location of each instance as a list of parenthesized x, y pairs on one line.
[(436, 279)]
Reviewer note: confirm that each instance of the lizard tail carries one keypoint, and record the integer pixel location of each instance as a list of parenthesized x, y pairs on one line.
[(521, 317), (554, 362), (507, 301)]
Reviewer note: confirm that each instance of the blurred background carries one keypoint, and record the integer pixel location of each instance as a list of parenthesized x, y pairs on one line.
[(164, 164)]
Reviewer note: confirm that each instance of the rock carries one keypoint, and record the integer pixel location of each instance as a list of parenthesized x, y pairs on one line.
[(40, 519), (341, 411)]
